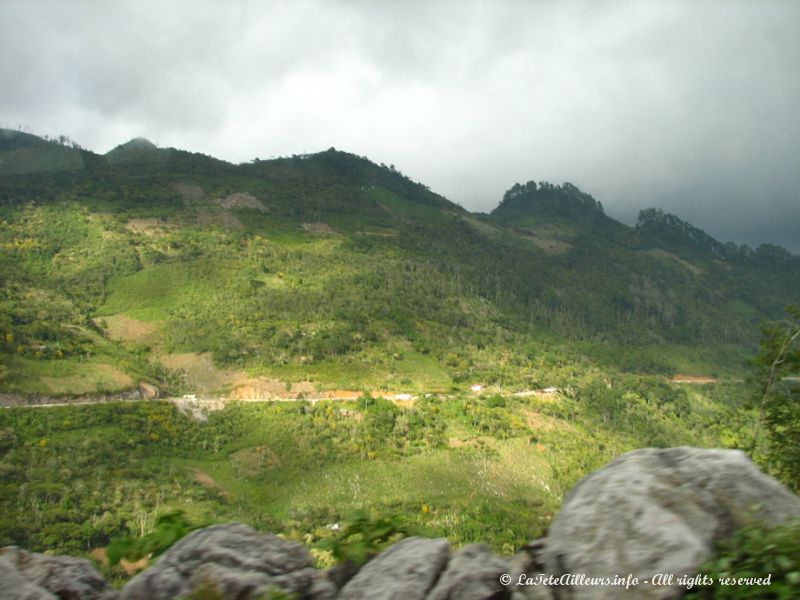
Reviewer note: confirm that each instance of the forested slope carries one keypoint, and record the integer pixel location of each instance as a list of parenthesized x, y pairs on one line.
[(331, 268)]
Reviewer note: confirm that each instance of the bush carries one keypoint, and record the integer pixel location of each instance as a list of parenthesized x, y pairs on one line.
[(755, 552), (365, 536)]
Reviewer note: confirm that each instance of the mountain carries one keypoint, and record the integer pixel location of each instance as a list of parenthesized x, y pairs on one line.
[(153, 263), (22, 153), (136, 150)]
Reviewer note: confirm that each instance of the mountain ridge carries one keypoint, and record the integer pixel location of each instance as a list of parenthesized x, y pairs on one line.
[(140, 149), (330, 259)]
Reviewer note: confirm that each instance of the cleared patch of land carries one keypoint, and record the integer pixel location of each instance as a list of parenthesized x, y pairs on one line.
[(549, 245), (122, 328), (189, 192), (696, 379), (319, 229), (93, 378), (200, 369), (223, 218), (265, 388), (660, 253), (149, 226), (204, 479), (386, 233), (241, 200)]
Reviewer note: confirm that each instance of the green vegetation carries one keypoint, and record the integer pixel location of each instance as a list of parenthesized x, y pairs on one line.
[(363, 538), (332, 269), (168, 529), (778, 399), (328, 273), (472, 468), (754, 553)]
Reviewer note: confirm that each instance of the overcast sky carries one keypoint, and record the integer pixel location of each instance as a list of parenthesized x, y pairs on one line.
[(689, 106)]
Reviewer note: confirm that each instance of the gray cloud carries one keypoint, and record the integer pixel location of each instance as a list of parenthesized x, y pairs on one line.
[(689, 106)]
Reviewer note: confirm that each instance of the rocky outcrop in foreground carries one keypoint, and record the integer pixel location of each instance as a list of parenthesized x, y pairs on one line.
[(657, 511), (29, 576), (648, 512)]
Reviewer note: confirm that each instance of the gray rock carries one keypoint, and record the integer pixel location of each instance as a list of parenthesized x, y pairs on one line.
[(323, 588), (48, 577), (340, 574), (235, 559), (528, 563), (473, 573), (14, 587), (406, 570), (657, 511)]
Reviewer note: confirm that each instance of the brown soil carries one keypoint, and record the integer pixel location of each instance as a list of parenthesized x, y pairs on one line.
[(130, 568), (470, 442), (241, 200), (385, 234), (550, 246), (152, 226), (203, 478), (342, 394), (125, 329), (403, 403), (201, 372), (696, 379), (539, 422), (117, 377), (262, 388), (224, 218), (189, 192), (319, 228)]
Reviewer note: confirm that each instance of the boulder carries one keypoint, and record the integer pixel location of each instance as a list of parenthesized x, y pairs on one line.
[(234, 559), (657, 511), (473, 573), (14, 587), (31, 576), (406, 570), (650, 512)]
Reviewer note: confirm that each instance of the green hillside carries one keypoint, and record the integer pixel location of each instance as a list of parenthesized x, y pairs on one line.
[(489, 468), (517, 350), (330, 268)]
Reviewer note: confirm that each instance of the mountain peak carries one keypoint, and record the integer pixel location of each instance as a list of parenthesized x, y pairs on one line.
[(138, 149), (522, 203), (137, 143)]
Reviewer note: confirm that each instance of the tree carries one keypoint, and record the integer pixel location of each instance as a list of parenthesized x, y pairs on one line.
[(778, 399)]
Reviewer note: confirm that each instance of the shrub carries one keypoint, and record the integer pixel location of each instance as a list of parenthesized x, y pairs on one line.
[(756, 552)]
